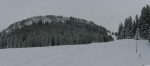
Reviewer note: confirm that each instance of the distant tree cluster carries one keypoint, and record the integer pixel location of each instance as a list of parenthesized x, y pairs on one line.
[(52, 30), (128, 29), (139, 27)]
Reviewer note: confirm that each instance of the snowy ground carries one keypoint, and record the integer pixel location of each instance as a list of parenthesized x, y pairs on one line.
[(116, 53)]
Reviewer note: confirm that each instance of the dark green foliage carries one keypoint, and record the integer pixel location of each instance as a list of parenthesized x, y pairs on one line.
[(120, 31), (126, 31), (52, 31), (139, 27), (145, 22)]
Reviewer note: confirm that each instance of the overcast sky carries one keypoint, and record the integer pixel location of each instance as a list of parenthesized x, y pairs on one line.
[(108, 13)]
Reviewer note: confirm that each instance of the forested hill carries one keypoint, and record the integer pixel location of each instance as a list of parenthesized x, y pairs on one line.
[(52, 30)]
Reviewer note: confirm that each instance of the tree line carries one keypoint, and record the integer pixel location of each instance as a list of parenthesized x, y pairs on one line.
[(138, 28)]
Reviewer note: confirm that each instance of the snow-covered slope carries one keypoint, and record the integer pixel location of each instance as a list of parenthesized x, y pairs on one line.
[(116, 53)]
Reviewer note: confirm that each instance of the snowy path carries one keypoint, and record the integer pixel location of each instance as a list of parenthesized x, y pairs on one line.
[(116, 53), (144, 51)]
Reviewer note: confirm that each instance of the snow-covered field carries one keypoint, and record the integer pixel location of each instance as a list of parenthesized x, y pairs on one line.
[(116, 53)]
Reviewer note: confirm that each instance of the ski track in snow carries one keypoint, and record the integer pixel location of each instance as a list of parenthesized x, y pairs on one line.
[(115, 53)]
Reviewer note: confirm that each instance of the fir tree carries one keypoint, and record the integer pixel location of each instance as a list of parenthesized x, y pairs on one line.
[(145, 22), (120, 31)]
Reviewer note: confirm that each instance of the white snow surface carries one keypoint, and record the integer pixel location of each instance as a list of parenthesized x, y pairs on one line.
[(115, 53)]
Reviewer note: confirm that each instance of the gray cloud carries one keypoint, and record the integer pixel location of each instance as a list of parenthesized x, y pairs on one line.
[(108, 13)]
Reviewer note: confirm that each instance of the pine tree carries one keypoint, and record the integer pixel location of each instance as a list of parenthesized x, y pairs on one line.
[(145, 22), (135, 25), (128, 28), (120, 31)]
